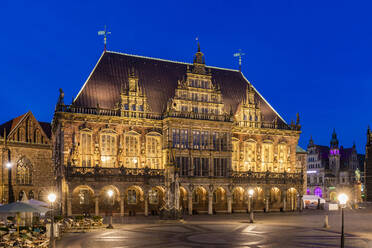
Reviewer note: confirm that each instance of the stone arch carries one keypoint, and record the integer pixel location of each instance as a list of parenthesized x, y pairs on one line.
[(275, 198), (156, 197), (200, 200), (134, 200), (219, 200), (291, 199), (82, 201), (238, 200), (258, 198)]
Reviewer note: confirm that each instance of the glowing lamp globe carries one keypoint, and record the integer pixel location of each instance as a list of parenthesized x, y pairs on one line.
[(52, 197), (8, 165), (110, 193), (251, 192), (342, 198)]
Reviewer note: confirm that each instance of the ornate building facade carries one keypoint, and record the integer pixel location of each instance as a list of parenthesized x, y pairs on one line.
[(135, 116), (333, 169), (26, 146)]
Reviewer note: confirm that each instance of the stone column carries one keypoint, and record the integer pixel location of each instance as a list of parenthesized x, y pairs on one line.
[(210, 203), (122, 205), (96, 205), (250, 200), (284, 198), (190, 203), (300, 203), (267, 200), (146, 205), (229, 204), (69, 205)]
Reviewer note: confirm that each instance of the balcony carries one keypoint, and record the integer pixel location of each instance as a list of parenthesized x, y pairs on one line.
[(76, 171)]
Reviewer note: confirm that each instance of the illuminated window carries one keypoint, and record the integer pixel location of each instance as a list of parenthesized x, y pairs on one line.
[(132, 150), (108, 150), (24, 172), (86, 150), (267, 157), (153, 151)]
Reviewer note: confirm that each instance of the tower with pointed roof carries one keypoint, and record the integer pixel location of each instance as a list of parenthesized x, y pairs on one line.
[(334, 154)]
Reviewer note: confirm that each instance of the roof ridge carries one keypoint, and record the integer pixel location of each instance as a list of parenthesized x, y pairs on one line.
[(90, 75), (168, 60)]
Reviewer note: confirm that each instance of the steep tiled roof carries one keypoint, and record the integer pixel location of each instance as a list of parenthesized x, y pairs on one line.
[(159, 79), (47, 128), (10, 125)]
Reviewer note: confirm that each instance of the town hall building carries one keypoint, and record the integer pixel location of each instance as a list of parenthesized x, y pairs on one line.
[(136, 116)]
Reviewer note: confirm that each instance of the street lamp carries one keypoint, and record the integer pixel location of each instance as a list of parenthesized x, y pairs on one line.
[(250, 199), (342, 199), (52, 198), (10, 186), (110, 193)]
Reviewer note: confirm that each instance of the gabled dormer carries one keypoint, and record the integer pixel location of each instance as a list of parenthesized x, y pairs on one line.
[(249, 112), (196, 95), (132, 97)]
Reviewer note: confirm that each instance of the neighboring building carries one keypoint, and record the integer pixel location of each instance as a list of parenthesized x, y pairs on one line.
[(26, 144), (301, 157), (134, 116), (368, 166), (332, 169)]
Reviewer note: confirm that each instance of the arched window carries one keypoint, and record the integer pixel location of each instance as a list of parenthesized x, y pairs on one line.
[(31, 195), (108, 150), (86, 149), (37, 136), (267, 156), (132, 150), (21, 135), (24, 171), (20, 195), (250, 155), (153, 151)]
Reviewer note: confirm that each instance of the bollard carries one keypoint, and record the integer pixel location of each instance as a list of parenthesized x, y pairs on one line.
[(326, 222), (251, 218)]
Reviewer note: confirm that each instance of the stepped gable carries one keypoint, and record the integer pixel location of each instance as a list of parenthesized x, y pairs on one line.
[(159, 79)]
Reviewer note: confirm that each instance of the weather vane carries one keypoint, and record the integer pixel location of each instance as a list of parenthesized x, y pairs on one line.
[(240, 55), (104, 33)]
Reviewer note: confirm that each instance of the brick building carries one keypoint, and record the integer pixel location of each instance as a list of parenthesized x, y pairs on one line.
[(26, 146)]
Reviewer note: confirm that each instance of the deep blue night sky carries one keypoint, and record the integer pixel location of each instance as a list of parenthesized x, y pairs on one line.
[(312, 57)]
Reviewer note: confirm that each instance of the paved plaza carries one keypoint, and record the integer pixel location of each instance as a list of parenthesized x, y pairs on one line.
[(269, 230)]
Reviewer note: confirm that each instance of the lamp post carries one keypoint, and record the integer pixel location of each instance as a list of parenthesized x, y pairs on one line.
[(10, 186), (52, 197), (342, 198), (110, 193), (250, 198)]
